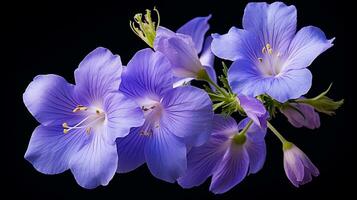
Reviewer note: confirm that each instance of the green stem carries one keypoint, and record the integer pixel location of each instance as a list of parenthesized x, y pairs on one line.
[(217, 87), (276, 132), (202, 75), (245, 129)]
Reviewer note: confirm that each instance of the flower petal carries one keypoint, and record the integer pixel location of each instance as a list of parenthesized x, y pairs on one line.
[(242, 76), (95, 164), (188, 114), (148, 73), (254, 133), (254, 109), (309, 166), (293, 165), (257, 154), (180, 50), (307, 44), (202, 160), (302, 115), (97, 75), (50, 99), (181, 82), (273, 24), (50, 150), (234, 45), (223, 125), (254, 145), (231, 170), (246, 80), (207, 60), (165, 155), (122, 114), (207, 57), (196, 28), (290, 85), (131, 151), (290, 174)]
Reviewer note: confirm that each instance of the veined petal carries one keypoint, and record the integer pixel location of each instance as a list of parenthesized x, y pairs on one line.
[(202, 160), (188, 114), (310, 168), (293, 165), (254, 145), (245, 79), (226, 126), (122, 114), (290, 85), (96, 163), (131, 151), (50, 150), (231, 170), (257, 153), (273, 24), (97, 75), (234, 45), (242, 75), (307, 44), (180, 50), (207, 60), (254, 109), (207, 57), (148, 73), (196, 28), (50, 99), (165, 155)]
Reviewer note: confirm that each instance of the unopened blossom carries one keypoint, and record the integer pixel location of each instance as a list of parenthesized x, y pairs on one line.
[(298, 167), (301, 115)]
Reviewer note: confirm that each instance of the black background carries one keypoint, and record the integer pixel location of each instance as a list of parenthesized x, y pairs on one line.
[(54, 37)]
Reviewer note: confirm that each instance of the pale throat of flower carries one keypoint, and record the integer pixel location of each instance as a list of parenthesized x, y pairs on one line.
[(270, 63), (152, 110), (94, 116)]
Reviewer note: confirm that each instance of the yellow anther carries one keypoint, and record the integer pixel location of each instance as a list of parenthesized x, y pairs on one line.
[(88, 130), (80, 108), (65, 131), (264, 50), (65, 125), (269, 49)]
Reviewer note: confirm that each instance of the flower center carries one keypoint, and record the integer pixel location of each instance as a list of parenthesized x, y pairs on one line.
[(93, 116), (270, 63), (152, 112)]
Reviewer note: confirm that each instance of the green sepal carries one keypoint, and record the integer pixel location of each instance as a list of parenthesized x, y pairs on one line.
[(322, 103)]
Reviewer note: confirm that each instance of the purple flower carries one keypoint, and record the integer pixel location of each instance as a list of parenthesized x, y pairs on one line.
[(298, 167), (227, 156), (175, 118), (300, 114), (79, 123), (269, 56), (182, 49)]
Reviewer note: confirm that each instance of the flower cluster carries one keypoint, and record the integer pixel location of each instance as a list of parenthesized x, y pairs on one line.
[(118, 117)]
